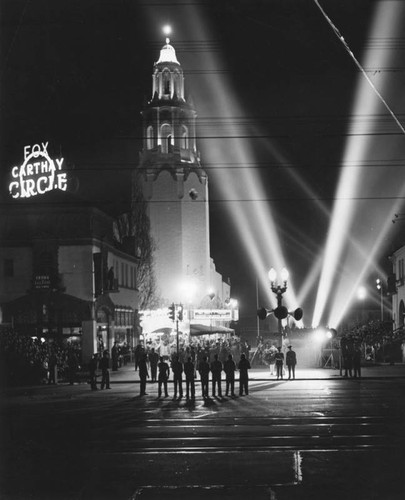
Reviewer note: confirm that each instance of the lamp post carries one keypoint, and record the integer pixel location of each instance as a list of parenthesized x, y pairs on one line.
[(380, 289), (280, 312)]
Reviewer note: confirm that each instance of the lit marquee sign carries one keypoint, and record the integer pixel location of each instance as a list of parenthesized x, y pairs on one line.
[(38, 174)]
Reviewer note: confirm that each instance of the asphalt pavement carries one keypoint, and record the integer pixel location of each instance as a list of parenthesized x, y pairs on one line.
[(319, 436)]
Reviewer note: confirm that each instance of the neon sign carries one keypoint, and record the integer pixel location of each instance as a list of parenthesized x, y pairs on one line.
[(38, 174)]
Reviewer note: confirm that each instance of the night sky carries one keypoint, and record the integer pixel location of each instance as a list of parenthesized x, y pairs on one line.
[(76, 74)]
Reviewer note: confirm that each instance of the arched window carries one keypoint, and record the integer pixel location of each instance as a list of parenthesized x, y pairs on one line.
[(166, 82), (149, 137), (184, 137), (166, 137), (177, 87)]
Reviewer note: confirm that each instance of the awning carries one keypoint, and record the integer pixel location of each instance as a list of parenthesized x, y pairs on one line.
[(208, 329)]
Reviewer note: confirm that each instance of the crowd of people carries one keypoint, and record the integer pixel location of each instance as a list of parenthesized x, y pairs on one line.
[(160, 372), (30, 360)]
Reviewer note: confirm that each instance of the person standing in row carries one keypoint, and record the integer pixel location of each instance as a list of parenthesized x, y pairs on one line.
[(163, 377), (189, 373), (177, 369), (104, 366), (204, 370), (153, 360), (229, 369), (114, 356), (291, 361), (143, 374), (279, 357), (243, 366), (216, 370)]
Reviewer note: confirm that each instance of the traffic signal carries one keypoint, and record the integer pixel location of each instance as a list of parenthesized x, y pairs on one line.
[(392, 284), (172, 312), (180, 313)]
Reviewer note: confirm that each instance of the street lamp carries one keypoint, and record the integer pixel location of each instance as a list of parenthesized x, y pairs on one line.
[(280, 312), (380, 288)]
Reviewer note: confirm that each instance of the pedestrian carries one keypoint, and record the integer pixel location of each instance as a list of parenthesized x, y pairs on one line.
[(347, 348), (114, 357), (279, 357), (139, 350), (216, 370), (291, 361), (243, 366), (72, 366), (163, 376), (189, 373), (93, 371), (229, 369), (143, 374), (104, 366), (204, 370), (153, 360), (177, 369), (357, 361)]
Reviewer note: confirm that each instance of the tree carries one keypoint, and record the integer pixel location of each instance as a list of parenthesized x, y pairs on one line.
[(133, 231)]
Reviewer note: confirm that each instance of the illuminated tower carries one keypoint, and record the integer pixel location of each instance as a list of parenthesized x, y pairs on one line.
[(175, 186)]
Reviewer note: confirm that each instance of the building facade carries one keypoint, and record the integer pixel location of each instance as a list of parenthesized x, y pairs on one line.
[(63, 277), (175, 186), (396, 288)]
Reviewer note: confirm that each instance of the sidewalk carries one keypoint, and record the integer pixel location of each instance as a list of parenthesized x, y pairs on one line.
[(127, 374)]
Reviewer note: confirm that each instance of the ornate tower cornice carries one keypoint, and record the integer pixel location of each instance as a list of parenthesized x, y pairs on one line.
[(169, 135)]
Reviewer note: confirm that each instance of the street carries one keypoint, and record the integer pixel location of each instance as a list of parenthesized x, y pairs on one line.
[(314, 437)]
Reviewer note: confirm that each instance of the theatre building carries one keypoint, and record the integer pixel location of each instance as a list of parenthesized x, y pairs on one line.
[(63, 275), (175, 187)]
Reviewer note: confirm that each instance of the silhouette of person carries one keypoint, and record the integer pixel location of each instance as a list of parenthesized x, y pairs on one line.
[(291, 361), (177, 369), (114, 357), (216, 370), (143, 374), (73, 365), (153, 360), (279, 357), (204, 370), (163, 376), (229, 369), (243, 366), (93, 371), (104, 366), (189, 373)]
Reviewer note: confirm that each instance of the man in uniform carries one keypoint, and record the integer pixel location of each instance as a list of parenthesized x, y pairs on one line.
[(163, 376), (216, 369), (291, 361)]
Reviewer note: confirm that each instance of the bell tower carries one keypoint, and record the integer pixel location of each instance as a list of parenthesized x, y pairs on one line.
[(175, 186)]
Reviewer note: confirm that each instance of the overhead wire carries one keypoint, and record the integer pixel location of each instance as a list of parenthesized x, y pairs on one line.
[(349, 51)]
